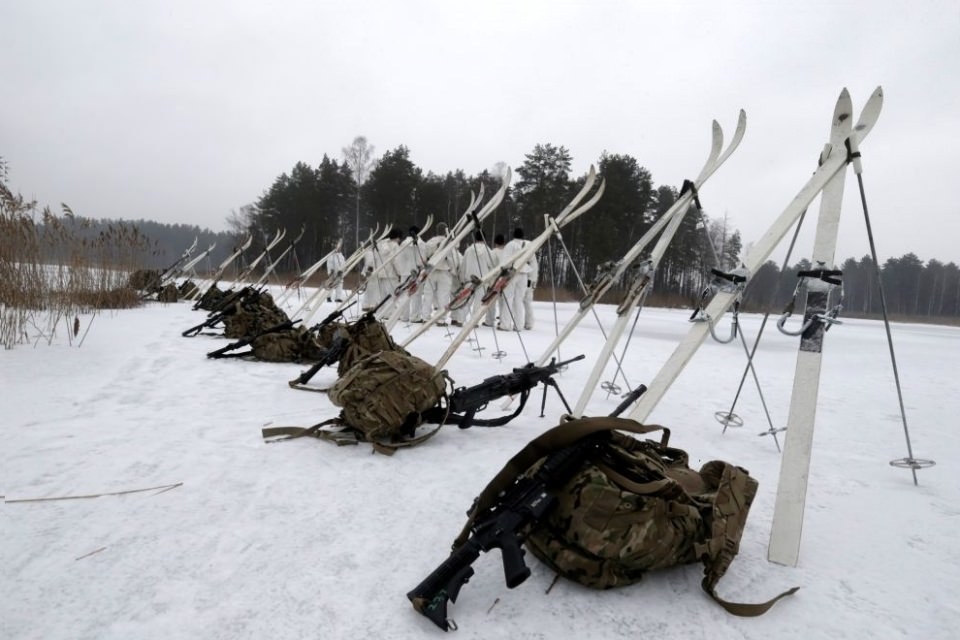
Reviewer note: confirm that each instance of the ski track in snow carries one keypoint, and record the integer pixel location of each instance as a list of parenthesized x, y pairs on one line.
[(304, 539)]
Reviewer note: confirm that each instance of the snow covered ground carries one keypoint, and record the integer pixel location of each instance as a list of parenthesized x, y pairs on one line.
[(303, 539)]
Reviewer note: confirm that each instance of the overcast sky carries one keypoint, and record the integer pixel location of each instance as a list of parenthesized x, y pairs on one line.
[(182, 111)]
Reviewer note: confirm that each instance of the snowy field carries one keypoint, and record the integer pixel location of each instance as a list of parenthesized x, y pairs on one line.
[(303, 539)]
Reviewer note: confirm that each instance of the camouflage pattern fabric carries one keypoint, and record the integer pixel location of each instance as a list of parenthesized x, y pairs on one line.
[(294, 345), (145, 280), (187, 288), (384, 395), (168, 294), (252, 315), (367, 336), (636, 506), (325, 335), (210, 299)]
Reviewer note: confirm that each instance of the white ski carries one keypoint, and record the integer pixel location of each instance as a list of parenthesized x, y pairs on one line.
[(266, 253), (189, 265), (273, 265), (300, 280), (795, 462), (671, 219), (215, 278), (761, 250), (373, 274)]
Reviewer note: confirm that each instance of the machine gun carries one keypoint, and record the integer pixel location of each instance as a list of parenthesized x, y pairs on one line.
[(465, 402)]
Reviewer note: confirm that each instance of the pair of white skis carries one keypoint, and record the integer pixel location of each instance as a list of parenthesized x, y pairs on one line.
[(842, 150)]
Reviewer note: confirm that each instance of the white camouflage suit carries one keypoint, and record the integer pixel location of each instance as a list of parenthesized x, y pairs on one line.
[(512, 316), (498, 308), (532, 279), (404, 265), (373, 259), (439, 284), (477, 261), (334, 264)]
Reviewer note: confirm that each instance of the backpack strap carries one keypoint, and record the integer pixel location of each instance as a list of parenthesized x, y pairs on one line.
[(555, 439), (276, 434), (735, 492)]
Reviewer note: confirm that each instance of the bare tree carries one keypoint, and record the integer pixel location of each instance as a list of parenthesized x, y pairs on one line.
[(359, 158)]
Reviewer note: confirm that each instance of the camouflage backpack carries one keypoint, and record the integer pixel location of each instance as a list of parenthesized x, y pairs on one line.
[(293, 345), (187, 289), (634, 506), (367, 336), (383, 397), (327, 332), (168, 294), (254, 314)]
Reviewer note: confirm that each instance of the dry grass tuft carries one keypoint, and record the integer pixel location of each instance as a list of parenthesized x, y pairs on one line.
[(56, 268)]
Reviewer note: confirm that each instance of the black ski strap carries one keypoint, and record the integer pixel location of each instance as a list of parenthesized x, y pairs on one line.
[(689, 185), (734, 278), (830, 276)]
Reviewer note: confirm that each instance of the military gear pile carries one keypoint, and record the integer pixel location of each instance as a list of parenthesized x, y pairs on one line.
[(384, 395), (383, 399), (168, 293), (187, 289), (325, 333), (210, 298), (635, 506), (145, 280), (293, 345), (252, 315)]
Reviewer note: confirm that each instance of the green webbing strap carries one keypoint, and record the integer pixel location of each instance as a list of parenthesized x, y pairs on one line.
[(276, 434), (553, 440), (743, 609), (736, 488)]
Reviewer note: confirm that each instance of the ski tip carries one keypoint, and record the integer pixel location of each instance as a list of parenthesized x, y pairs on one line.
[(843, 111)]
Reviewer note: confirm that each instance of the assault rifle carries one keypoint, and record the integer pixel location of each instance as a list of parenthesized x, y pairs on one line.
[(503, 525), (223, 351), (331, 355), (222, 309), (465, 402), (337, 348)]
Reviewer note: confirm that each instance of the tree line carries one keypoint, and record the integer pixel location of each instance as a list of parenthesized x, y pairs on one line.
[(348, 198), (345, 199), (911, 289)]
